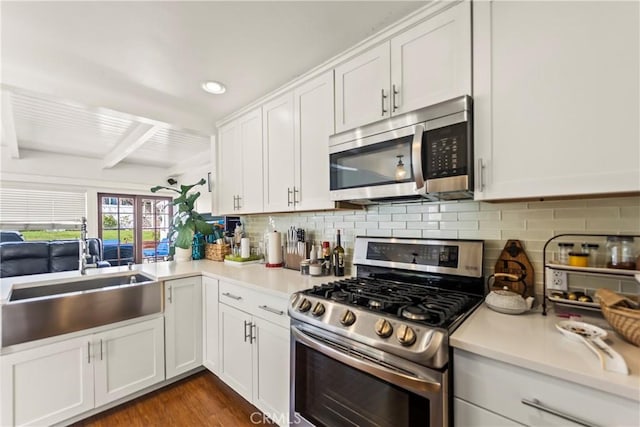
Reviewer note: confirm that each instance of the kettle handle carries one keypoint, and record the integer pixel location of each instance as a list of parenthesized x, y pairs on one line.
[(513, 278)]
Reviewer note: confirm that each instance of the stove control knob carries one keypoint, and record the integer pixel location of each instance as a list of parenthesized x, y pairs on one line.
[(383, 328), (304, 305), (318, 309), (406, 336), (348, 318)]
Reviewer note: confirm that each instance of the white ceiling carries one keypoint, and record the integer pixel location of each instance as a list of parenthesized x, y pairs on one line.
[(74, 68)]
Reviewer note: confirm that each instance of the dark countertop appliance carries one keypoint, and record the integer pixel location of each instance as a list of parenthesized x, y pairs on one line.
[(374, 349)]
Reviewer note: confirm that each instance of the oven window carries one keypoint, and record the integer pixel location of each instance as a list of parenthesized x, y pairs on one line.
[(329, 393), (378, 164)]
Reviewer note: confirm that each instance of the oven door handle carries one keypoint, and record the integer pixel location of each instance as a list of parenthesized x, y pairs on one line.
[(420, 386), (416, 157)]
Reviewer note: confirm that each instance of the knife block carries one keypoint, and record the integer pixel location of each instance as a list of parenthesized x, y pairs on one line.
[(292, 260)]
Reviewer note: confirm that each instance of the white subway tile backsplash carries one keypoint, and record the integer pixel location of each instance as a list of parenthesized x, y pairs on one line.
[(533, 223), (407, 217), (407, 233), (426, 207)]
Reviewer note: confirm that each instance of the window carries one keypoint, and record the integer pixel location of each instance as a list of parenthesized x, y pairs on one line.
[(42, 214), (134, 228)]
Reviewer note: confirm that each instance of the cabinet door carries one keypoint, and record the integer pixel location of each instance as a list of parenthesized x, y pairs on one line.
[(183, 323), (235, 350), (362, 89), (128, 359), (556, 98), (210, 324), (230, 168), (313, 106), (279, 156), (250, 172), (431, 62), (48, 384), (271, 370)]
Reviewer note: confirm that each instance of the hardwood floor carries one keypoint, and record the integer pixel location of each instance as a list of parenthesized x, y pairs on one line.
[(199, 400)]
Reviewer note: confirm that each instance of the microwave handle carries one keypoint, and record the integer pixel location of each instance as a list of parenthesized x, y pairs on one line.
[(416, 157)]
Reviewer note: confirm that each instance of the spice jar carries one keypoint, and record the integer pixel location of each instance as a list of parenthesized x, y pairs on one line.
[(578, 259), (563, 252), (591, 249), (621, 252)]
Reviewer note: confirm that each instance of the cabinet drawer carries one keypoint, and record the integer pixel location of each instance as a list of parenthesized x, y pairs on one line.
[(268, 307), (466, 414), (500, 387)]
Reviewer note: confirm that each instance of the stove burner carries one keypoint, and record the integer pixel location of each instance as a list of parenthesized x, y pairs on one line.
[(339, 295), (374, 303)]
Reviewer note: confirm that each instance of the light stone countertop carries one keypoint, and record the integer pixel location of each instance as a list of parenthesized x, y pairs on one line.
[(277, 281), (532, 341)]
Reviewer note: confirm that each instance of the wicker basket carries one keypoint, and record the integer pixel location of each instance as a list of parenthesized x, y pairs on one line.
[(620, 313), (216, 252)]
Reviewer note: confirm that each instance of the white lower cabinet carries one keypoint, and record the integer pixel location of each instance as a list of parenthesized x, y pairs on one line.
[(489, 392), (183, 324), (210, 348), (254, 349), (49, 384)]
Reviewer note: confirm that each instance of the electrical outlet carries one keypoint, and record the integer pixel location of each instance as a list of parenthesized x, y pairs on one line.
[(557, 280)]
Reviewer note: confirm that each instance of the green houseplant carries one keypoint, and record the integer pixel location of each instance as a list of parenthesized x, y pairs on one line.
[(186, 221)]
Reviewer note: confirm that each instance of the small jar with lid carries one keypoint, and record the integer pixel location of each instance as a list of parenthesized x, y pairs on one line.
[(563, 252), (621, 252), (591, 249)]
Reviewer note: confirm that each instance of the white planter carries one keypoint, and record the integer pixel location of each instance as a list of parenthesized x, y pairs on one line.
[(182, 255)]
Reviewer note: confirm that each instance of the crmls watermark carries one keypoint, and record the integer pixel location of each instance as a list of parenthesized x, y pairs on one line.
[(266, 418)]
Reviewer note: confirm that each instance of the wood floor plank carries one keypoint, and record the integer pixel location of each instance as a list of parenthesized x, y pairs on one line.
[(199, 400)]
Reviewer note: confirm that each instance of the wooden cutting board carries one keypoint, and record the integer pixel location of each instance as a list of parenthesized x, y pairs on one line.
[(514, 260)]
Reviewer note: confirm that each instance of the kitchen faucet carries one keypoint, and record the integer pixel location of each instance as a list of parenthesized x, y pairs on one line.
[(84, 249)]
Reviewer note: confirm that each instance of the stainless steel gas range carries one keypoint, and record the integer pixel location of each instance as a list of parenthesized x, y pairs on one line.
[(373, 350)]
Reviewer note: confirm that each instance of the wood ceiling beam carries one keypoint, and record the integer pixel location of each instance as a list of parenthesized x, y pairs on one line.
[(9, 126), (129, 143)]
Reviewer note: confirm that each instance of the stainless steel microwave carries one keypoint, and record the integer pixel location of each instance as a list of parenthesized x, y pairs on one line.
[(426, 153)]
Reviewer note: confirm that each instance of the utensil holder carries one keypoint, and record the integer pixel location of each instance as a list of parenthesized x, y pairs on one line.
[(292, 260)]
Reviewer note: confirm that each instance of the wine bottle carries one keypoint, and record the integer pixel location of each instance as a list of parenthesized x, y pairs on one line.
[(338, 257)]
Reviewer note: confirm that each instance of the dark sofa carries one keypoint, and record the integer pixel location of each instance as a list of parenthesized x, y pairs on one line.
[(24, 258)]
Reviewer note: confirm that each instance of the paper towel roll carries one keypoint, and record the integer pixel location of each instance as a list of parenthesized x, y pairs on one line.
[(245, 247), (275, 248)]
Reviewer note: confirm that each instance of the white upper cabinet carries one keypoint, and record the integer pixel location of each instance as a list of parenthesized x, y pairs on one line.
[(313, 124), (431, 62), (296, 131), (240, 165), (427, 64), (362, 89), (279, 154), (556, 98)]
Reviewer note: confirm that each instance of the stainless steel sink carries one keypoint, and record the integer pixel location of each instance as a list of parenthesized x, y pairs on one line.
[(38, 312)]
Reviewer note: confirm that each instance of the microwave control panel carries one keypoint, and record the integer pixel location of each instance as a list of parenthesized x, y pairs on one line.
[(446, 153)]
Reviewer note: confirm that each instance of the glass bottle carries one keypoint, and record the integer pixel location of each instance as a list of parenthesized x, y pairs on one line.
[(326, 256), (591, 249), (621, 252), (338, 257), (563, 252)]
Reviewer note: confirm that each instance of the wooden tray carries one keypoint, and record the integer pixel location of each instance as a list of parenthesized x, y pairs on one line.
[(514, 260)]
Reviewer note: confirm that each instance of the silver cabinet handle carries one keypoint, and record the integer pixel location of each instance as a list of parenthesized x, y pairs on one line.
[(481, 174), (100, 348), (394, 92), (416, 157), (271, 310), (234, 203), (382, 98), (253, 332), (535, 403), (289, 196), (239, 205), (89, 352), (247, 335), (170, 294), (295, 200), (228, 295)]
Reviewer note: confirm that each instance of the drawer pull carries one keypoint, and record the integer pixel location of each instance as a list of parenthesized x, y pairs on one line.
[(271, 310), (235, 297), (535, 403)]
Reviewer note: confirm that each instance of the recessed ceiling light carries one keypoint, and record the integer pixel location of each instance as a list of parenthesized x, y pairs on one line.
[(213, 87)]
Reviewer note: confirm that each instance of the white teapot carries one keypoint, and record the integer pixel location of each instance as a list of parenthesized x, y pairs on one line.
[(506, 301)]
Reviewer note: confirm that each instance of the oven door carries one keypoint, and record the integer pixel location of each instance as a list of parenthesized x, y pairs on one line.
[(336, 382)]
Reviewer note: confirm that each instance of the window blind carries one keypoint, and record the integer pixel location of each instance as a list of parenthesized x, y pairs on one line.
[(26, 206)]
